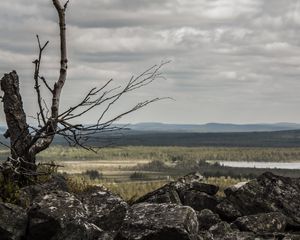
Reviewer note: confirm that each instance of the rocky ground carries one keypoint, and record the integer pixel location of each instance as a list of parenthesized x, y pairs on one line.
[(188, 209)]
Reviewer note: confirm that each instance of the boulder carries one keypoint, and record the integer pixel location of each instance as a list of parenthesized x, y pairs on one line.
[(231, 189), (57, 214), (173, 192), (264, 222), (220, 229), (13, 222), (199, 200), (147, 221), (204, 187), (224, 231), (165, 194), (27, 194), (105, 209), (269, 193), (206, 219), (291, 237), (227, 211)]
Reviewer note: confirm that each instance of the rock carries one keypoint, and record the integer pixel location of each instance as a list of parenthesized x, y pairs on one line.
[(264, 222), (57, 214), (204, 187), (147, 221), (27, 194), (200, 200), (105, 209), (165, 194), (269, 193), (220, 229), (206, 219), (13, 222), (227, 211), (82, 231), (172, 192), (291, 237), (229, 190)]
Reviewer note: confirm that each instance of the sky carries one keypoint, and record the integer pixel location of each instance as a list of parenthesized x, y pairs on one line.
[(232, 61)]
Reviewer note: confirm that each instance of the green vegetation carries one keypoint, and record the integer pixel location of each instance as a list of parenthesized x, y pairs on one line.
[(172, 154)]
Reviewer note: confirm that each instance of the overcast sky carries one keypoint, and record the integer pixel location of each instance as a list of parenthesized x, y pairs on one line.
[(232, 60)]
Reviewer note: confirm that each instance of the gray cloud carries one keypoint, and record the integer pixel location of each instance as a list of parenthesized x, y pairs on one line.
[(232, 60)]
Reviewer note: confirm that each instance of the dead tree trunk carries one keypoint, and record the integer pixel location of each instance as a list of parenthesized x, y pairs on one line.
[(27, 141), (18, 130)]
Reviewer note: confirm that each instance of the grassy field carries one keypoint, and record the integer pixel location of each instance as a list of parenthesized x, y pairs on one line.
[(134, 171), (173, 154)]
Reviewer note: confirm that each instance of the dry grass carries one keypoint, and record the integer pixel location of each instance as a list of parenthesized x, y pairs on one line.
[(131, 191)]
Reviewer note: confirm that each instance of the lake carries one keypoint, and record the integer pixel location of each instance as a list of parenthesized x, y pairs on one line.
[(279, 165)]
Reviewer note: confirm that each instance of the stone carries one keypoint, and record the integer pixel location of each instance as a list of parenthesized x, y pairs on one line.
[(204, 187), (105, 209), (231, 189), (206, 219), (264, 222), (200, 200), (227, 211), (13, 222), (145, 221), (291, 237), (172, 192), (269, 193), (27, 194), (220, 229), (57, 214)]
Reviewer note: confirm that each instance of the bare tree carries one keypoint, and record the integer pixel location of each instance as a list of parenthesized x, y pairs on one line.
[(27, 141)]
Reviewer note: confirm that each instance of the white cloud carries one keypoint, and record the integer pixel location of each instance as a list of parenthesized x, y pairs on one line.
[(221, 51)]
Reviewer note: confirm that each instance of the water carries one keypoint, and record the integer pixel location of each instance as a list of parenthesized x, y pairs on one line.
[(278, 165)]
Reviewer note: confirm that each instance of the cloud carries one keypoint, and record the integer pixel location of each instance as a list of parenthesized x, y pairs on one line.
[(232, 60)]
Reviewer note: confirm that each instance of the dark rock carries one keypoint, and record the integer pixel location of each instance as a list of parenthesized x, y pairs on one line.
[(269, 193), (200, 200), (147, 221), (264, 222), (165, 194), (291, 237), (82, 231), (57, 214), (27, 194), (227, 211), (13, 222), (229, 190), (223, 231), (204, 187), (172, 192), (220, 229), (206, 219), (105, 209)]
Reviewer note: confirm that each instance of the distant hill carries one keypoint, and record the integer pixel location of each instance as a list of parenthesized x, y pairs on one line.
[(213, 127), (211, 134)]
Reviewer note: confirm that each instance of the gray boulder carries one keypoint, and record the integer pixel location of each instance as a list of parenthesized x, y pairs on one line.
[(227, 211), (269, 193), (206, 219), (27, 194), (264, 222), (56, 215), (176, 192), (105, 209), (147, 221), (231, 189), (200, 200), (204, 187), (13, 222)]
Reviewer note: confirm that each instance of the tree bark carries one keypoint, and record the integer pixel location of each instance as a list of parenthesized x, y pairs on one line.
[(18, 130)]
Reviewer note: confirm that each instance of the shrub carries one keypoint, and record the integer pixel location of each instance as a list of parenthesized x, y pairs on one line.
[(93, 174), (138, 176)]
